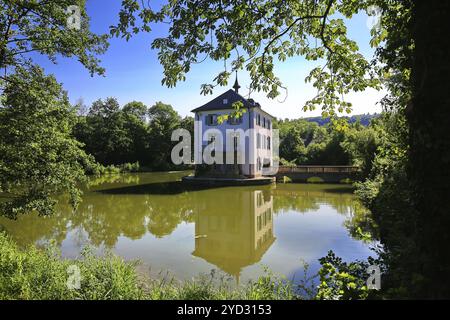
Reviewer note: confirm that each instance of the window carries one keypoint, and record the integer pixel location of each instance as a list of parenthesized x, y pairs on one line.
[(268, 124), (258, 140), (211, 120), (264, 122), (212, 141), (259, 200), (234, 121), (235, 143), (263, 138), (225, 101), (258, 120), (268, 143)]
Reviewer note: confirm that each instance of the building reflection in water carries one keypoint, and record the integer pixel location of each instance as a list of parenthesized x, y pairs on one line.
[(236, 235)]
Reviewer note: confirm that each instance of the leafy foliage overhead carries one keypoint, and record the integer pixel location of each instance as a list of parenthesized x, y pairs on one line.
[(251, 35), (42, 26)]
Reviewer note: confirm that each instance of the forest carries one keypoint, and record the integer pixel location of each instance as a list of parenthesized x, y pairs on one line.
[(134, 133)]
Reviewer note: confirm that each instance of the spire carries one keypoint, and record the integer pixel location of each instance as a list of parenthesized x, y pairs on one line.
[(236, 85)]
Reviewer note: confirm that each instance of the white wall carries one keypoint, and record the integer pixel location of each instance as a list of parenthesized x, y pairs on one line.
[(248, 121)]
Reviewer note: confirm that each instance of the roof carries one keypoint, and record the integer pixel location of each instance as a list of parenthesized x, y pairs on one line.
[(231, 97)]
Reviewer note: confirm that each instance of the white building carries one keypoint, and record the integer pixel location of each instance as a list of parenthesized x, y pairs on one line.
[(251, 150)]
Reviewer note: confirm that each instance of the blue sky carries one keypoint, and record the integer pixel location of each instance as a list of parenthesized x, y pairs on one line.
[(133, 73)]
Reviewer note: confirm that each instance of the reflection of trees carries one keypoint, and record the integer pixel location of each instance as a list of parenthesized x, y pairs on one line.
[(123, 207), (31, 228), (166, 212), (360, 224), (105, 218), (303, 198)]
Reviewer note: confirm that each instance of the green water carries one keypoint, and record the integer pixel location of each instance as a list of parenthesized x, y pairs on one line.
[(153, 217)]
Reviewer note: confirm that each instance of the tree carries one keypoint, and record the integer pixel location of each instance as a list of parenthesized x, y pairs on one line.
[(42, 26), (428, 117), (293, 141), (105, 134), (116, 136), (38, 156), (105, 109), (305, 142), (163, 119), (361, 144), (135, 114), (137, 109), (411, 61)]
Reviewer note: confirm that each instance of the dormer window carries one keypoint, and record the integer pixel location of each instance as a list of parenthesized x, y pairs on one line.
[(225, 101)]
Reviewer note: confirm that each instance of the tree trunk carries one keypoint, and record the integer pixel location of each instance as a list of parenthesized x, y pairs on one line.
[(429, 121)]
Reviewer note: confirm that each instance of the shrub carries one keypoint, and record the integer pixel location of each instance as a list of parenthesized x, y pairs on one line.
[(344, 281)]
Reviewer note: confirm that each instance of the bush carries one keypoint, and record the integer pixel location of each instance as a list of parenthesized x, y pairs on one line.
[(344, 281), (130, 167), (98, 169)]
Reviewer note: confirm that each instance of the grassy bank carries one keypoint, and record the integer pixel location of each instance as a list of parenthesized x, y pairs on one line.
[(32, 273)]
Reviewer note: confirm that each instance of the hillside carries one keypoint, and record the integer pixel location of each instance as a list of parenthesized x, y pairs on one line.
[(364, 118)]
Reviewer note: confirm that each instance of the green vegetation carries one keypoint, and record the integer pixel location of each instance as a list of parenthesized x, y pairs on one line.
[(35, 274), (25, 27), (343, 281), (306, 143), (364, 119), (39, 157), (134, 133), (112, 169)]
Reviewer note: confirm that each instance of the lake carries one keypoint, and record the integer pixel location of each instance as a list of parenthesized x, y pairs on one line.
[(187, 231)]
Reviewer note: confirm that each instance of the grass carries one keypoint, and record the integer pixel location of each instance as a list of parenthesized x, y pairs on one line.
[(36, 274)]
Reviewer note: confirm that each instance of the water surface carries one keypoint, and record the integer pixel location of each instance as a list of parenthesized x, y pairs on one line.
[(153, 217)]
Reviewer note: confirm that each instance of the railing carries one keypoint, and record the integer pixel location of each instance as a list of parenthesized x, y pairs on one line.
[(318, 169)]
